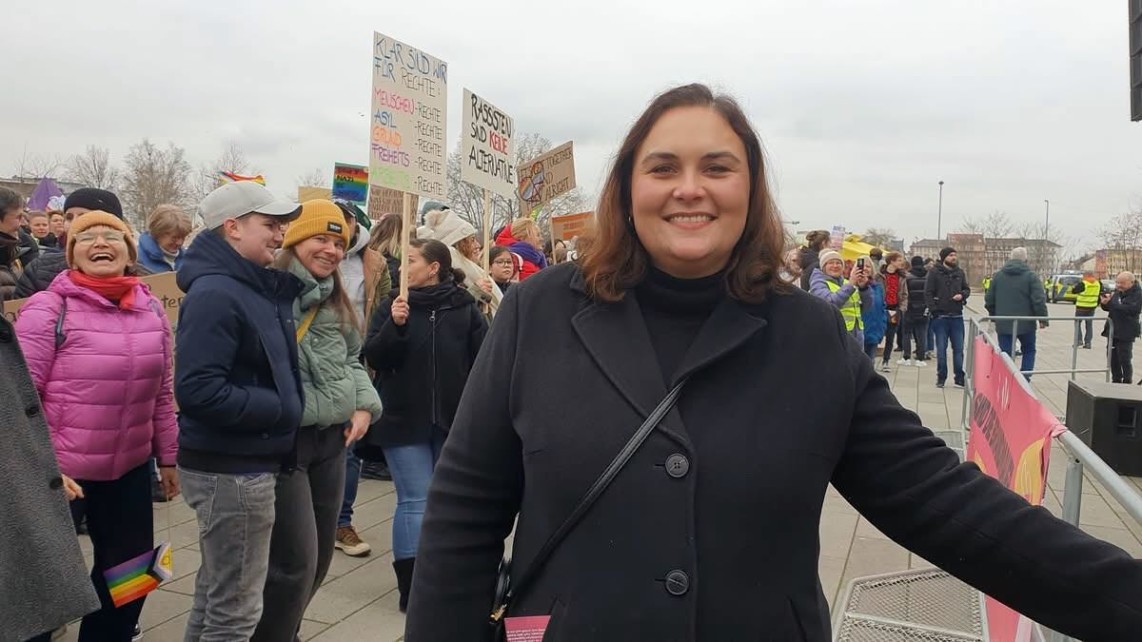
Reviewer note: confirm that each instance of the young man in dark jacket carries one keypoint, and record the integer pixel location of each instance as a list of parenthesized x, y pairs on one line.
[(1123, 305), (1016, 291), (916, 316), (239, 397), (945, 293)]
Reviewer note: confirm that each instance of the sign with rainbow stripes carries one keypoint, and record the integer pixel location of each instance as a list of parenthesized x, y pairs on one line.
[(140, 575)]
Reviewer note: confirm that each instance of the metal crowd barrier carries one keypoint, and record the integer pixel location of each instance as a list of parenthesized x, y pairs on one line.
[(1079, 456)]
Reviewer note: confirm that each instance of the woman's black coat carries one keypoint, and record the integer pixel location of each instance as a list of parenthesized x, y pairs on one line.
[(421, 366), (728, 491)]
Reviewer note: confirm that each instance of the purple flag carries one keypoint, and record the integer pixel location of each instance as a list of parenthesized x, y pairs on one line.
[(43, 193)]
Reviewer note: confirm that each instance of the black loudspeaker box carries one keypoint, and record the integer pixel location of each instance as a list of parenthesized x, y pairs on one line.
[(1108, 417)]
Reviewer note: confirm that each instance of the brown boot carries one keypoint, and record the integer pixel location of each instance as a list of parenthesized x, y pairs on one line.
[(350, 543)]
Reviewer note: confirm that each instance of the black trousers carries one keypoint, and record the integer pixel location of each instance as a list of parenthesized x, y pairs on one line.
[(915, 329), (890, 335), (306, 506), (121, 526), (1121, 361)]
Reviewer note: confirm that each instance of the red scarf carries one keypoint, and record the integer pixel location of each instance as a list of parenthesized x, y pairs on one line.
[(113, 288)]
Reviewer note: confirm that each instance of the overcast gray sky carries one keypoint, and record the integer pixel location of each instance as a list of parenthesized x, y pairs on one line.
[(863, 105)]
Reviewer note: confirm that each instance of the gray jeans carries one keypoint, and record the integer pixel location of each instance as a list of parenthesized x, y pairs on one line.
[(308, 503), (235, 519)]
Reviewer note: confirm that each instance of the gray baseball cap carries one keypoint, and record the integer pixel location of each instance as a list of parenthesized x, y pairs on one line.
[(240, 198)]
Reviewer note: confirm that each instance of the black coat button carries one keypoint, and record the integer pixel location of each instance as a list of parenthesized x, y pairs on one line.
[(677, 583), (677, 466), (32, 411), (56, 483)]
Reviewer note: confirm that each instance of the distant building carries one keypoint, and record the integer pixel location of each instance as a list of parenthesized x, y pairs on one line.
[(24, 185), (980, 257), (1107, 263)]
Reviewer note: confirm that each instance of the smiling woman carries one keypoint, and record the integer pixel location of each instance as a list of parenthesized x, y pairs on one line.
[(339, 406), (98, 347), (666, 480)]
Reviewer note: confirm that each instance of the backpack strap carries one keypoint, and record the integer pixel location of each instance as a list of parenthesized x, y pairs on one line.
[(60, 336)]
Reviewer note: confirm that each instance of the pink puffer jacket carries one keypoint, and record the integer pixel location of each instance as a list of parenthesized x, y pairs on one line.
[(107, 390)]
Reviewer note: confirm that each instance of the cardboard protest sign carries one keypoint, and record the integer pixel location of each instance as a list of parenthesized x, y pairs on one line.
[(567, 227), (351, 183), (487, 152), (163, 287), (313, 193), (545, 177), (408, 150), (383, 200)]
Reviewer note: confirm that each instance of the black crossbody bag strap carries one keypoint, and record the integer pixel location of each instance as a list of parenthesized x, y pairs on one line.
[(507, 593)]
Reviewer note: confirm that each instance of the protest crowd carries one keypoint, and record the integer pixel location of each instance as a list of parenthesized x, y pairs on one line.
[(314, 345)]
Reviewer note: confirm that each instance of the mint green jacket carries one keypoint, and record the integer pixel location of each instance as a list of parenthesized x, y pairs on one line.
[(334, 381)]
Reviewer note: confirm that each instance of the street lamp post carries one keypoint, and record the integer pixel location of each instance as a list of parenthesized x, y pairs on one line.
[(1047, 232), (940, 213)]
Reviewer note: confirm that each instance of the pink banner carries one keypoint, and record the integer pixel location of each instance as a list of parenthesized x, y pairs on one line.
[(1010, 440)]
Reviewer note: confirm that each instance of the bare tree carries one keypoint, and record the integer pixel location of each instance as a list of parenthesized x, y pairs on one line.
[(313, 178), (208, 177), (468, 201), (1122, 239), (93, 168), (1043, 247), (153, 176), (996, 225), (879, 236), (38, 166)]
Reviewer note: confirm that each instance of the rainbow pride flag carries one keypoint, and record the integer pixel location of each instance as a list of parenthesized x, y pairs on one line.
[(139, 575)]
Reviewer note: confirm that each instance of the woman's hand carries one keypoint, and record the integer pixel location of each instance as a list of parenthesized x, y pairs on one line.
[(400, 311), (858, 278), (485, 284), (168, 479), (71, 489), (358, 426)]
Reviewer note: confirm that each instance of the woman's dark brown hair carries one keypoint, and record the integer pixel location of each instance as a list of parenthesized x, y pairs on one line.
[(436, 252), (499, 250), (614, 259), (817, 239), (339, 299)]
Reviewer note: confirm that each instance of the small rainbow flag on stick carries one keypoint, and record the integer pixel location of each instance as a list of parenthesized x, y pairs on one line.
[(140, 575)]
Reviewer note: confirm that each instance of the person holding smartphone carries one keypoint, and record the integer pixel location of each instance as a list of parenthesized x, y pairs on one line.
[(851, 298)]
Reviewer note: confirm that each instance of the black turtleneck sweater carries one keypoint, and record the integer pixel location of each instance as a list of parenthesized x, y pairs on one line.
[(674, 310)]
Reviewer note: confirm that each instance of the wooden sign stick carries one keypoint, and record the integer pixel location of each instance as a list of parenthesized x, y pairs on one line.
[(405, 237), (487, 231)]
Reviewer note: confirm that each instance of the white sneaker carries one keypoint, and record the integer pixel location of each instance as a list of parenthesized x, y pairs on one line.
[(904, 362), (884, 367), (921, 364)]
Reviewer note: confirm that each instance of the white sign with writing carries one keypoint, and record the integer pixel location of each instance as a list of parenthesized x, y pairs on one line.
[(488, 149), (407, 150)]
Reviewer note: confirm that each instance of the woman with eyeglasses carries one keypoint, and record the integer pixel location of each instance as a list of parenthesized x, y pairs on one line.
[(98, 347), (505, 269)]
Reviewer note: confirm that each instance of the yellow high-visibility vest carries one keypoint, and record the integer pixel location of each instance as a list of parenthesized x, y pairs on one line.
[(1088, 298), (850, 311)]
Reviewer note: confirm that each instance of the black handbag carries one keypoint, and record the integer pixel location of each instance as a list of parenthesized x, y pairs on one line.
[(506, 591)]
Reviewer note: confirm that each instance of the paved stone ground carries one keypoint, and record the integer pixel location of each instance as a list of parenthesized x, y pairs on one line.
[(359, 601)]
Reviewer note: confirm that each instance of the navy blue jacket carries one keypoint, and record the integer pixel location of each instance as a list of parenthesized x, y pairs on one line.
[(236, 376), (151, 255)]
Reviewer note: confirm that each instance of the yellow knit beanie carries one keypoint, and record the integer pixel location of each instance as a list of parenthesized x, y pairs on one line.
[(317, 217), (99, 218)]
